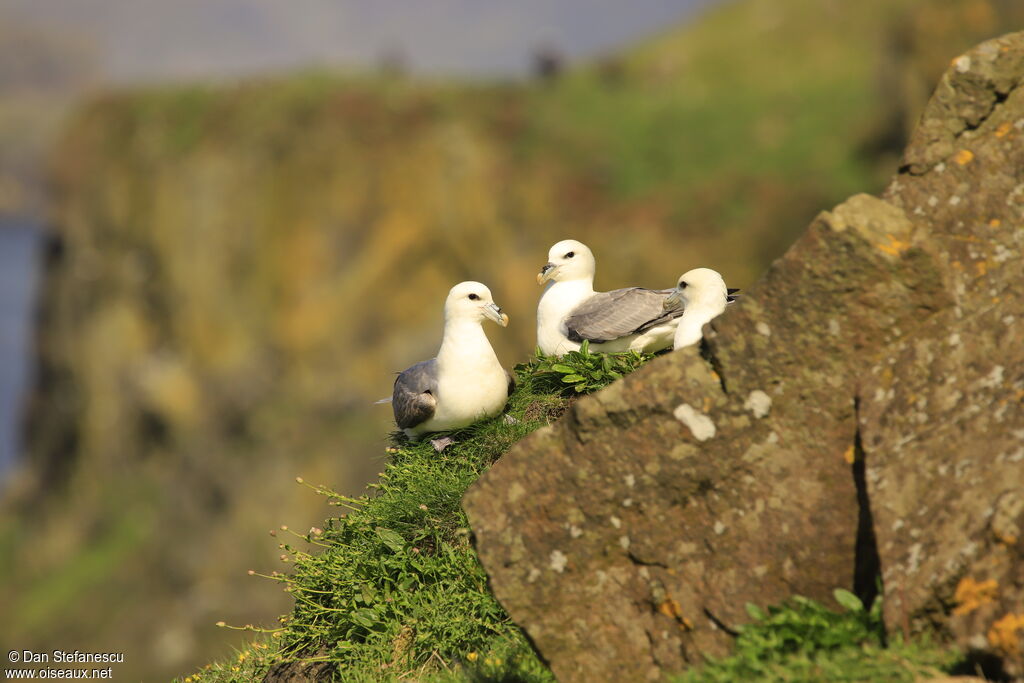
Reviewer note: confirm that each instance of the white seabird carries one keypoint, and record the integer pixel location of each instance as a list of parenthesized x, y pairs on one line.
[(703, 296), (570, 311), (465, 382)]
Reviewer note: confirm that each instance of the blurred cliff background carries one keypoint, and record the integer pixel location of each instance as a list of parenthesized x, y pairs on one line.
[(243, 217)]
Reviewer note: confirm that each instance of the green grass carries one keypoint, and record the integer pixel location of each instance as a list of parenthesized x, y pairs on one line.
[(391, 589), (802, 640), (397, 587)]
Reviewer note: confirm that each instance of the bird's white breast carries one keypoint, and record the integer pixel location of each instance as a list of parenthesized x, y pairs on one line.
[(556, 303), (691, 325), (471, 392), (471, 384)]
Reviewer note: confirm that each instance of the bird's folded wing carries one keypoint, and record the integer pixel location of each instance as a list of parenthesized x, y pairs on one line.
[(621, 312), (414, 399)]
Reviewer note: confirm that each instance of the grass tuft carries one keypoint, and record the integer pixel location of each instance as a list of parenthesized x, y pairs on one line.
[(802, 640)]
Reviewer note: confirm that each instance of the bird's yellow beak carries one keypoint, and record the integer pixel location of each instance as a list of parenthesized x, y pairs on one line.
[(545, 273), (494, 313)]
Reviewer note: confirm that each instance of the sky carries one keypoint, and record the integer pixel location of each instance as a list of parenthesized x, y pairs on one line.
[(180, 39)]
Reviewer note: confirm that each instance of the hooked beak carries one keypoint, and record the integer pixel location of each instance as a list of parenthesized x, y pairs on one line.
[(672, 300), (545, 273), (494, 313)]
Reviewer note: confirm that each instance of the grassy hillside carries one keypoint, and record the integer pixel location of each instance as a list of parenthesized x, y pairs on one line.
[(241, 269)]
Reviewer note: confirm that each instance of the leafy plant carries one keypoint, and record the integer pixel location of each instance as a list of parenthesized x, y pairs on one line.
[(803, 640), (803, 625), (579, 372)]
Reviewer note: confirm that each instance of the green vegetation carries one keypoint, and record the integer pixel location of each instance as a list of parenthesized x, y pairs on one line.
[(397, 583), (581, 372), (802, 640)]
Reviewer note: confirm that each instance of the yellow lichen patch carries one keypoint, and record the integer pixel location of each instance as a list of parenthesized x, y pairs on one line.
[(895, 247), (1004, 129), (964, 157), (1005, 539), (994, 223), (981, 267), (672, 609), (707, 403), (970, 595), (1003, 635), (850, 456)]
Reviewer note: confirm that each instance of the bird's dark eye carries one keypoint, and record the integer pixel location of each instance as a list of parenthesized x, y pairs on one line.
[(682, 284), (570, 254), (473, 297)]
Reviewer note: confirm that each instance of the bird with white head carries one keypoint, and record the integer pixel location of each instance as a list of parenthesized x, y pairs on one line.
[(703, 296), (570, 311), (465, 382)]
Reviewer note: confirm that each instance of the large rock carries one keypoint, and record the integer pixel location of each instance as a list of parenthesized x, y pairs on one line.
[(627, 538), (942, 410)]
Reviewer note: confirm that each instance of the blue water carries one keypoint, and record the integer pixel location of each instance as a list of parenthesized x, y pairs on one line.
[(20, 243)]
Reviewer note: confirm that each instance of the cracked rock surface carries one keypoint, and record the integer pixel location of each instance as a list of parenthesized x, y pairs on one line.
[(861, 410), (942, 410)]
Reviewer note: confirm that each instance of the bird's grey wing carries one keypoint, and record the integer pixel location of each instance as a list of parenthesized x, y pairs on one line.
[(621, 312), (415, 395)]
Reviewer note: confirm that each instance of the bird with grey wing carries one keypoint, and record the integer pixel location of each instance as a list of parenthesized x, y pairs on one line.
[(465, 382), (570, 311)]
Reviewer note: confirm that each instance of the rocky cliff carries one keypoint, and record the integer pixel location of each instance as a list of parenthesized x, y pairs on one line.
[(859, 413)]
